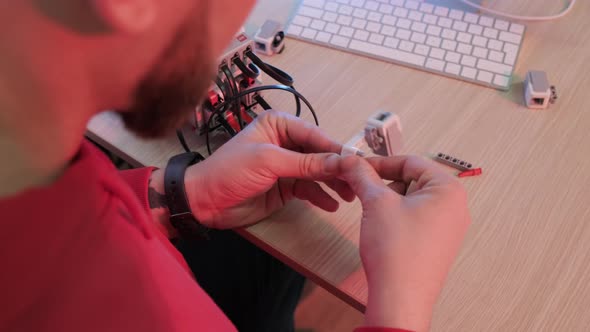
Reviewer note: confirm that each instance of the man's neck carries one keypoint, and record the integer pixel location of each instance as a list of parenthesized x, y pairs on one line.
[(39, 136)]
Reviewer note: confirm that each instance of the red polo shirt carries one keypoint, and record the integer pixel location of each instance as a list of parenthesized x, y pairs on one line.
[(83, 255)]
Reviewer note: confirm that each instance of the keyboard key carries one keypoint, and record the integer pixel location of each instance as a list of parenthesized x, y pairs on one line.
[(400, 12), (494, 67), (331, 6), (361, 35), (418, 27), (332, 28), (357, 3), (433, 30), (360, 13), (302, 20), (411, 4), (452, 68), (344, 20), (509, 37), (388, 19), (418, 37), (471, 18), (453, 57), (445, 22), (480, 41), (314, 3), (311, 12), (437, 53), (480, 52), (318, 24), (309, 33), (510, 48), (460, 26), (385, 9), (456, 14), (339, 41), (376, 38), (429, 19), (397, 3), (407, 46), (359, 23), (486, 21), (421, 49), (467, 60), (435, 64), (441, 11), (517, 28), (491, 33), (475, 29), (426, 8), (345, 10), (468, 72), (404, 23), (502, 25), (415, 16), (449, 45), (388, 53), (371, 5), (485, 76), (330, 17), (346, 2), (373, 27), (510, 59), (388, 30), (346, 32), (495, 45), (323, 37), (464, 37), (375, 17), (294, 30), (448, 34), (391, 42), (501, 80), (496, 56), (403, 34), (464, 48), (433, 41)]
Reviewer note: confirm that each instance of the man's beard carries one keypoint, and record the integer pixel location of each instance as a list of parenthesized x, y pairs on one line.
[(171, 90)]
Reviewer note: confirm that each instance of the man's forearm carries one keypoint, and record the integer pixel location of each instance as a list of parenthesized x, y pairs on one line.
[(159, 205)]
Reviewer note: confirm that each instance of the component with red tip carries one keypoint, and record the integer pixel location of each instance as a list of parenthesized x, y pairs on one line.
[(471, 172)]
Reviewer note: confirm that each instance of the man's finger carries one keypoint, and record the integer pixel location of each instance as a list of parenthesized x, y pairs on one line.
[(293, 133), (313, 192), (342, 189), (362, 178), (410, 168), (285, 163)]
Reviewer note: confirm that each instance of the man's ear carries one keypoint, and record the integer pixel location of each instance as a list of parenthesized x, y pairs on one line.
[(127, 16)]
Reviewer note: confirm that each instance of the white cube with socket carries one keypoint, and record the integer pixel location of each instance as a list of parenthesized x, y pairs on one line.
[(270, 38), (382, 134), (537, 91)]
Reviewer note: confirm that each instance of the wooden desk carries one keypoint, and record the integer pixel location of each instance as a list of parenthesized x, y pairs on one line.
[(525, 265)]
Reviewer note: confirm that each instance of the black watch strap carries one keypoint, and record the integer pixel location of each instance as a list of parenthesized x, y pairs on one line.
[(181, 216)]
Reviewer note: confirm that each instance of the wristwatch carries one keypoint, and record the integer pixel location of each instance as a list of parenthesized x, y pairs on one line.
[(181, 216)]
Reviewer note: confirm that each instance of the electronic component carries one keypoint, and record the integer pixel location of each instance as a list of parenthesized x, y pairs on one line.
[(270, 38), (383, 133), (471, 172), (537, 91), (453, 162), (417, 34)]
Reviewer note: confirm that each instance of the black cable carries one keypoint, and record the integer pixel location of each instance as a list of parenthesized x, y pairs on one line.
[(276, 74), (262, 102), (235, 89), (180, 136), (250, 71)]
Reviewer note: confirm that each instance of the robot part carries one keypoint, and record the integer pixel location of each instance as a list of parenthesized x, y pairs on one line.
[(270, 38), (537, 92), (383, 133), (453, 162)]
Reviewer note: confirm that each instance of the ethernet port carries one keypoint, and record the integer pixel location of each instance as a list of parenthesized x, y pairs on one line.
[(538, 101)]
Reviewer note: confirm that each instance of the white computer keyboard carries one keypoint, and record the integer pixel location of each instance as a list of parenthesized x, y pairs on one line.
[(450, 42)]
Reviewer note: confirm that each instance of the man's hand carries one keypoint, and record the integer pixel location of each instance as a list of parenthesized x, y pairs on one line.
[(411, 231), (276, 158)]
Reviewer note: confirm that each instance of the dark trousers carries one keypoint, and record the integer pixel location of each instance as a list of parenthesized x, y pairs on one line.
[(255, 291)]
